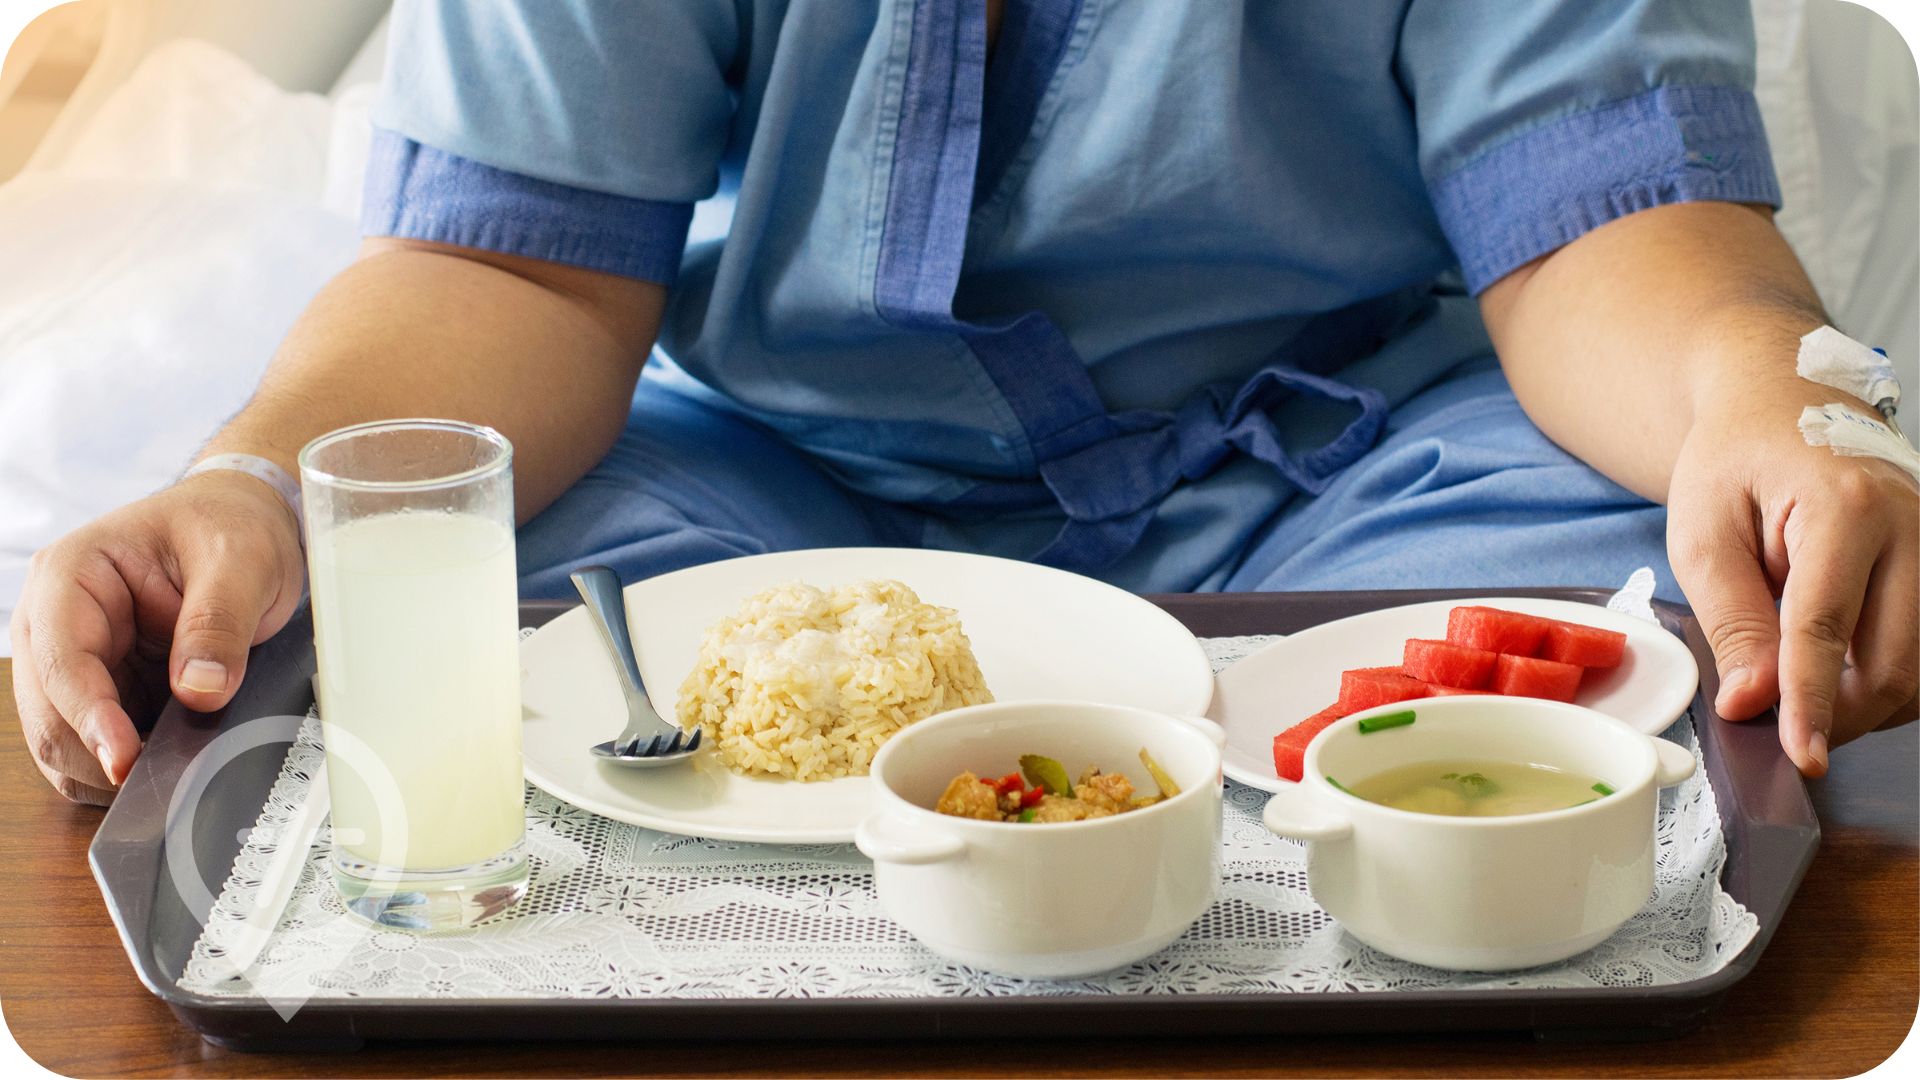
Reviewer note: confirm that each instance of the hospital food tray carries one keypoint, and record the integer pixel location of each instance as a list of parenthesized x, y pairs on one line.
[(1769, 826)]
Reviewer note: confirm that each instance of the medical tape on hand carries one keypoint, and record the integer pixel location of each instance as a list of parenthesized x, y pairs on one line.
[(261, 468), (1852, 433), (1831, 358)]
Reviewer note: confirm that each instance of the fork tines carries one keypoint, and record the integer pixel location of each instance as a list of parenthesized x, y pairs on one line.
[(640, 746), (652, 747)]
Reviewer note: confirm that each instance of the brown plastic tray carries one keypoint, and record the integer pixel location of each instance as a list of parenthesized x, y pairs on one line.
[(1771, 836)]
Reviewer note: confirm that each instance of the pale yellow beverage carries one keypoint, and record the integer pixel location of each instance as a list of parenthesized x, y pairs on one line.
[(1480, 788), (414, 622)]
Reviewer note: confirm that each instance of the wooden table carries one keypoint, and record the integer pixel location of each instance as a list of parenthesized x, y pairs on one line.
[(1834, 994)]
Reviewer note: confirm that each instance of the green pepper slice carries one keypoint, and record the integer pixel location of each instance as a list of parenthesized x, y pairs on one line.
[(1044, 772)]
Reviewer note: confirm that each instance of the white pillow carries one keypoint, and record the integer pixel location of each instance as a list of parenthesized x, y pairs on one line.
[(193, 111)]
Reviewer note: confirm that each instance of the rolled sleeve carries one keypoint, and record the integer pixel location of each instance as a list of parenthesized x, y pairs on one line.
[(1546, 119), (422, 193)]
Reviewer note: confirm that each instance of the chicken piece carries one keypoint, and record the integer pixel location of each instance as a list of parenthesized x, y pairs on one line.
[(1009, 802), (1108, 793), (969, 798), (1087, 774), (1060, 808)]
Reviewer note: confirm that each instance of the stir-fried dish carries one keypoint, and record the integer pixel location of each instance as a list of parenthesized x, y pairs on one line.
[(1039, 792)]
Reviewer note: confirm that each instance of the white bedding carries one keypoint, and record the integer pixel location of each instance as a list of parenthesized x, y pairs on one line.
[(145, 284), (146, 280)]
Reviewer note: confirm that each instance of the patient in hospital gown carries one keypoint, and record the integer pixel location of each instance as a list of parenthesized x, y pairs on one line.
[(1181, 294), (1177, 294)]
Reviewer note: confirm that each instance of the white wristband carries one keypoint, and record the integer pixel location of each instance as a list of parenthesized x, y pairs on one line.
[(260, 467)]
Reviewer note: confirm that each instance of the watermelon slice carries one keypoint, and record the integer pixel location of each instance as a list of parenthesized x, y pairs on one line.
[(1587, 646), (1525, 676), (1447, 664), (1290, 746), (1366, 687), (1438, 690), (1496, 631)]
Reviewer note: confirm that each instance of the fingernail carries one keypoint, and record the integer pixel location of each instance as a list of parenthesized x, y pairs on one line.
[(1817, 749), (106, 763), (204, 676)]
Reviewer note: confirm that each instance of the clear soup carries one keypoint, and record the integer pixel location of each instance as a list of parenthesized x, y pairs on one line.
[(1479, 788)]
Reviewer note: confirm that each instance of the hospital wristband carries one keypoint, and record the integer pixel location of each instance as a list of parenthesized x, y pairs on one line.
[(262, 469)]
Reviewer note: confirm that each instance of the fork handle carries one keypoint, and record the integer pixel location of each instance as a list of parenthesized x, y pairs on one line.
[(600, 587)]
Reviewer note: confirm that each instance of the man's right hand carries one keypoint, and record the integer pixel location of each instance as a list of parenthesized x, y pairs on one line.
[(167, 593)]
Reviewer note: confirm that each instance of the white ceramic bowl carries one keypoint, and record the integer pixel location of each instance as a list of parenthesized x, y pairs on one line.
[(1046, 901), (1489, 893)]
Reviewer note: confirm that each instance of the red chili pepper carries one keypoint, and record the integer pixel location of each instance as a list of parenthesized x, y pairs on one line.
[(1032, 797)]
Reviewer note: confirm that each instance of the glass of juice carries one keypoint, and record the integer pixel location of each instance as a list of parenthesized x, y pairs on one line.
[(415, 621)]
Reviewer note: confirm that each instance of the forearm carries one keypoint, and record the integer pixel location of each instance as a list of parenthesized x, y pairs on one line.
[(547, 354), (1662, 349), (1614, 343)]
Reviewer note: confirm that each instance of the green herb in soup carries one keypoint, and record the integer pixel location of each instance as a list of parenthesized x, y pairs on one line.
[(1478, 788)]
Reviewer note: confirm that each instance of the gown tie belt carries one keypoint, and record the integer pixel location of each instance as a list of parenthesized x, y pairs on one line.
[(1110, 488), (1109, 471)]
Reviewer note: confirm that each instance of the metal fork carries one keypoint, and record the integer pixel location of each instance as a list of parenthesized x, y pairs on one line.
[(648, 740)]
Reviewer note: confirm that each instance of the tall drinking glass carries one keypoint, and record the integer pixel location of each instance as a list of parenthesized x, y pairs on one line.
[(410, 560)]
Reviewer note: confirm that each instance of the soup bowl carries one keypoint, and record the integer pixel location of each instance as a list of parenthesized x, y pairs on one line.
[(1046, 900), (1480, 893)]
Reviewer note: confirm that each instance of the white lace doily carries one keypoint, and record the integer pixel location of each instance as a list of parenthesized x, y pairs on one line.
[(615, 910)]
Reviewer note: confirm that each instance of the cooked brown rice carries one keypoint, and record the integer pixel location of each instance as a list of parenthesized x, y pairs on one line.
[(808, 684)]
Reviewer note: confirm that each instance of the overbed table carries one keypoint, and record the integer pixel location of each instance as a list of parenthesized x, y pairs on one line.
[(1834, 994)]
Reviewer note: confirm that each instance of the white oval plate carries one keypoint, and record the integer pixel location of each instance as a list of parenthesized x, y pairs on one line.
[(1037, 633), (1271, 690)]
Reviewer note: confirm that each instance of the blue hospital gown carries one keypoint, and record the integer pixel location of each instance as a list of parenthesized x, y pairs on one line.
[(1177, 293)]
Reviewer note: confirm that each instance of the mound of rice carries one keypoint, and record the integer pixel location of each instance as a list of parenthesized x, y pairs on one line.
[(808, 684)]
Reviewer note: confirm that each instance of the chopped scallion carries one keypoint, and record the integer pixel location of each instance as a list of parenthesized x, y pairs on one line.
[(1337, 784), (1381, 723), (1476, 786), (1027, 814), (1602, 788)]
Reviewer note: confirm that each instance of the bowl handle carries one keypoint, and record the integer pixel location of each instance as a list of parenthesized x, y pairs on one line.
[(1210, 729), (880, 841), (1296, 815), (1675, 762)]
